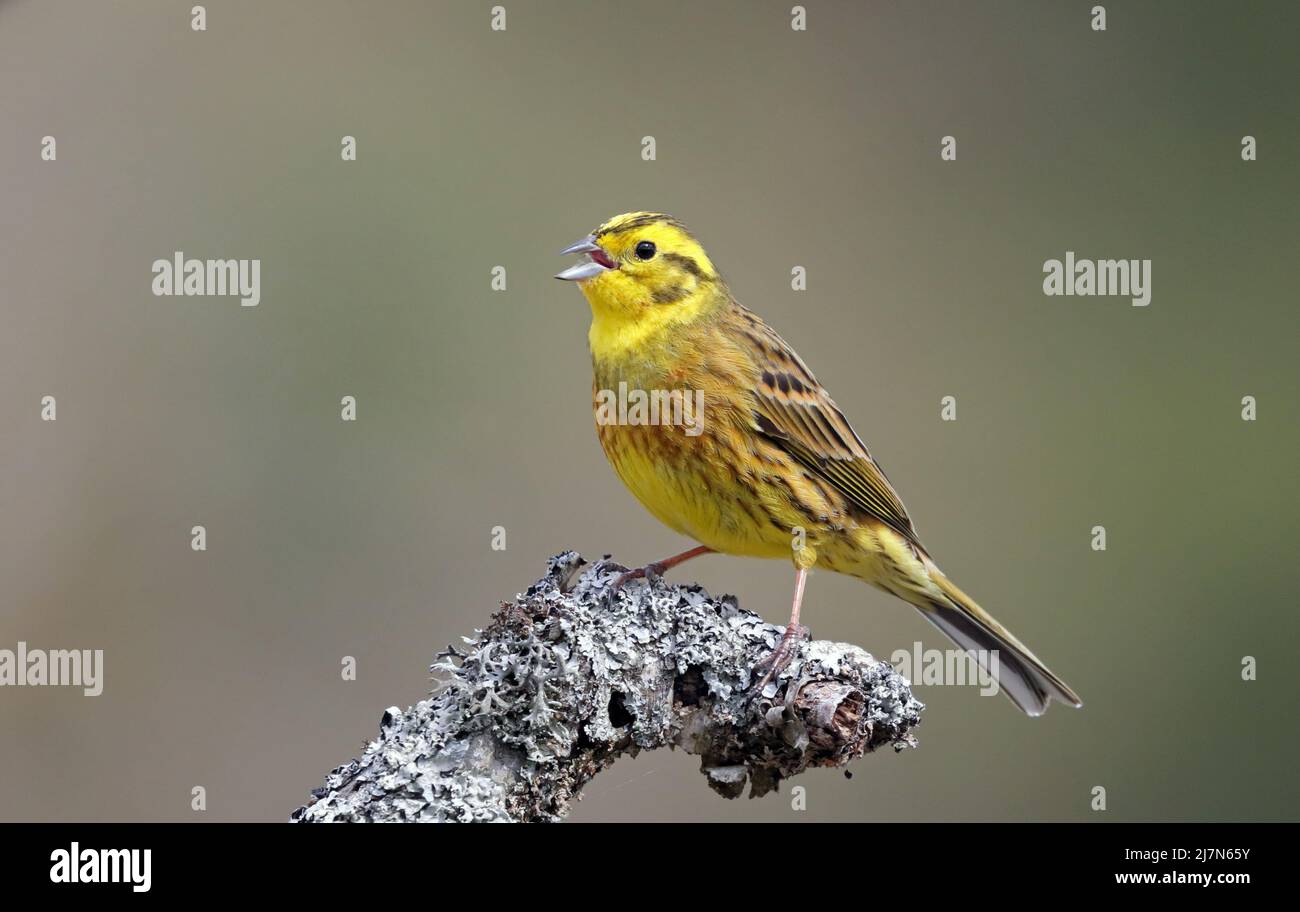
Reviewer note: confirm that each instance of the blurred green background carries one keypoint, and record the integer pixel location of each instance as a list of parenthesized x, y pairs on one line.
[(479, 148)]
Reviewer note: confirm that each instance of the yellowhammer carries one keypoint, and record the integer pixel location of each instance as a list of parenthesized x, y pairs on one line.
[(771, 468)]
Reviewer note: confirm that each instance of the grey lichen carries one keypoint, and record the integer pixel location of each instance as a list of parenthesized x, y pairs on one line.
[(567, 678)]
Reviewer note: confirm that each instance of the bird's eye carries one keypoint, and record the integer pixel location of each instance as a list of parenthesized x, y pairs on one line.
[(645, 250)]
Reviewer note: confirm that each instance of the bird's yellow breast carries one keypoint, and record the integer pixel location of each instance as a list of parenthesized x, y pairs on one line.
[(691, 485)]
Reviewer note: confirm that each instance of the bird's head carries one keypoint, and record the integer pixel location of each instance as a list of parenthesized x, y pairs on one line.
[(639, 265)]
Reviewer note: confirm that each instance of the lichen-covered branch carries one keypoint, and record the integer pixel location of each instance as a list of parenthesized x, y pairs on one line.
[(567, 679)]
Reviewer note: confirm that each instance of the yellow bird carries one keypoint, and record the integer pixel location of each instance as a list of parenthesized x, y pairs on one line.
[(769, 466)]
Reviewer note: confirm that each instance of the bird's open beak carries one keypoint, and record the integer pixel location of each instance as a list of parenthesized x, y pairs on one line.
[(593, 264)]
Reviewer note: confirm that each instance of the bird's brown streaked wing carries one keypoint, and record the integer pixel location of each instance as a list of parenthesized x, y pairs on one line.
[(792, 409)]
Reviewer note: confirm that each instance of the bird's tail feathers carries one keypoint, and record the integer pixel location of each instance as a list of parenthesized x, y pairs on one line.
[(1027, 681)]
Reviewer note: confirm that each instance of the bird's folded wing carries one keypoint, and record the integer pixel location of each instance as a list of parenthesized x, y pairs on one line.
[(794, 411)]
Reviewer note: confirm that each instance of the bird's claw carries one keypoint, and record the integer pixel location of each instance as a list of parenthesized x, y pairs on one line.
[(649, 573), (779, 659)]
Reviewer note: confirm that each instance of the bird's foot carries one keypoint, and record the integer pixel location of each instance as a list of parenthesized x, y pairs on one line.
[(779, 659), (649, 573)]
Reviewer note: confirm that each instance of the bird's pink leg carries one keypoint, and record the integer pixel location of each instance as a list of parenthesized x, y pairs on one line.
[(658, 568), (777, 660)]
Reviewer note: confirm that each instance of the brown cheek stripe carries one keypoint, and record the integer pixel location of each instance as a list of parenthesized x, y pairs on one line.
[(669, 295), (688, 264)]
